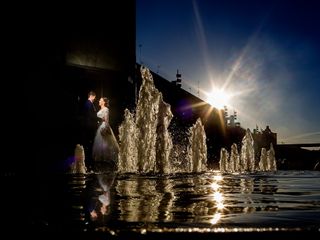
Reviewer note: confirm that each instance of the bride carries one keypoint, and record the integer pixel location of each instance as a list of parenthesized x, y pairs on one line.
[(105, 146)]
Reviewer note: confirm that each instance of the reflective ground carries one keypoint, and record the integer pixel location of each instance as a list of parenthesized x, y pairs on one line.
[(264, 205)]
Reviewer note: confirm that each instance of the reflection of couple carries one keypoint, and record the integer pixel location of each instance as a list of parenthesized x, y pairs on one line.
[(105, 146), (100, 203)]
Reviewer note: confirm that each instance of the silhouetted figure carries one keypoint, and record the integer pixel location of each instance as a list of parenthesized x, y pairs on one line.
[(90, 124)]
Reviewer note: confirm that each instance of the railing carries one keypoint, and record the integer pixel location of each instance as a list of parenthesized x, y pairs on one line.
[(299, 145)]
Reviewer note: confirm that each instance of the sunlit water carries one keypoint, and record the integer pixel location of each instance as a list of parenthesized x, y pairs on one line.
[(202, 202)]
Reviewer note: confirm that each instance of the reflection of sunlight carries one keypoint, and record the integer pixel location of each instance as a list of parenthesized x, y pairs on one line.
[(215, 186), (216, 218), (217, 196), (217, 178), (220, 206)]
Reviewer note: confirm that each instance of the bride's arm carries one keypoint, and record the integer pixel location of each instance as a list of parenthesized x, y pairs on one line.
[(106, 117)]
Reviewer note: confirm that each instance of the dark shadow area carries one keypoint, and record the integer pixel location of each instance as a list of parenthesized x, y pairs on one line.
[(54, 55)]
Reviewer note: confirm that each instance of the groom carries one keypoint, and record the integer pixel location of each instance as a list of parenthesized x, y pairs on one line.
[(90, 127)]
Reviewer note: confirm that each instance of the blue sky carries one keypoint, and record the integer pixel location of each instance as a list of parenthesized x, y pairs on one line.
[(264, 54)]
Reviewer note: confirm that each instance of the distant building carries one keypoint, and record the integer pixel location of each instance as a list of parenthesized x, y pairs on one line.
[(230, 120), (264, 138)]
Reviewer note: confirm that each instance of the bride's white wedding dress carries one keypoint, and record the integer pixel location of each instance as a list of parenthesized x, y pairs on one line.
[(105, 145)]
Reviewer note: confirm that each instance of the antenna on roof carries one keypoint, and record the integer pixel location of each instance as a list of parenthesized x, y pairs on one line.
[(178, 75), (198, 91)]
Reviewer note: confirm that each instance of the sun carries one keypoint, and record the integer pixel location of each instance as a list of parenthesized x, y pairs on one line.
[(218, 98)]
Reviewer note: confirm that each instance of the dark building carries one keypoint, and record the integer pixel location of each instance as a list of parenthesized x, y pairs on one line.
[(264, 138), (63, 54)]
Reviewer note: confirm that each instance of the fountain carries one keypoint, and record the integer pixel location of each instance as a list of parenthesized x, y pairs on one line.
[(245, 162), (145, 142), (247, 158), (224, 160), (267, 160), (234, 158), (197, 149), (78, 165), (194, 201), (146, 145)]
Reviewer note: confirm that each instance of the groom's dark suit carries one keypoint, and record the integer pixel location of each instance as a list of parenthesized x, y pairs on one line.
[(89, 130)]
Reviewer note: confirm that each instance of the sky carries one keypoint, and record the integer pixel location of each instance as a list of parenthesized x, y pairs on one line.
[(263, 55)]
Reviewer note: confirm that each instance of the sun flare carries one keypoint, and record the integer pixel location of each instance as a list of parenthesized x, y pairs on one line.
[(218, 98)]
